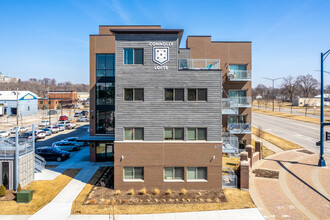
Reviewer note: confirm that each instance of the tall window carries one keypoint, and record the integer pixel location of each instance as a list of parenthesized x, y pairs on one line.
[(133, 56), (197, 134), (105, 93), (134, 94), (174, 94), (174, 134), (237, 119), (105, 122), (237, 93), (173, 173), (197, 94), (237, 67), (196, 173), (105, 65), (133, 134), (133, 173)]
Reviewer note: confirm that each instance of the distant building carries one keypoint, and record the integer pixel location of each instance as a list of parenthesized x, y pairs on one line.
[(44, 103), (65, 98), (83, 96), (7, 79), (315, 101), (27, 103)]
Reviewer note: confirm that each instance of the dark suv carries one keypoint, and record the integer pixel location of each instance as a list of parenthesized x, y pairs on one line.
[(53, 153)]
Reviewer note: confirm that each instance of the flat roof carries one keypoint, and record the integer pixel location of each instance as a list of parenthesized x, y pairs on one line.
[(147, 31)]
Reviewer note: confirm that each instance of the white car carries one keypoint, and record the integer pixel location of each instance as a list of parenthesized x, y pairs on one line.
[(4, 133), (54, 129), (67, 124), (41, 134), (61, 127), (65, 145), (20, 130), (44, 123), (83, 119), (73, 140)]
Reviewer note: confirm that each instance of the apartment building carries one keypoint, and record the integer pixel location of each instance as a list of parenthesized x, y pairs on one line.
[(156, 109)]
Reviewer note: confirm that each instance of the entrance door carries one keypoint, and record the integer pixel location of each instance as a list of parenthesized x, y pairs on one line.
[(104, 152)]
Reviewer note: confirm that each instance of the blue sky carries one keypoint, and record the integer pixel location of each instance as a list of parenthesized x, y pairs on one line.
[(51, 38)]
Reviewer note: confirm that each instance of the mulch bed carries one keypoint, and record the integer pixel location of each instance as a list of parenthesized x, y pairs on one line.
[(50, 166), (103, 193), (10, 196), (266, 173)]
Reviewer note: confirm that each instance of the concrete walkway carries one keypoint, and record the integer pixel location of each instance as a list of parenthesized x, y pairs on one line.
[(301, 192)]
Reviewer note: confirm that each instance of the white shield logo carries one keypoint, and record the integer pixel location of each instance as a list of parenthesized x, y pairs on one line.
[(160, 55)]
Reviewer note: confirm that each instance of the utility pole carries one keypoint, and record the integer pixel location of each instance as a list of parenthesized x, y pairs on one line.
[(50, 118), (273, 80), (17, 107), (322, 123)]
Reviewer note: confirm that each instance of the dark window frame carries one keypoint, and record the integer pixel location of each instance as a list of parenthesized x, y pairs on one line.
[(133, 177), (134, 61), (105, 69), (174, 95), (133, 133), (197, 94), (197, 133), (173, 134), (134, 95)]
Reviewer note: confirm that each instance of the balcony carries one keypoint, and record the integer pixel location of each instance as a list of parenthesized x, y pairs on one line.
[(239, 75), (199, 64), (239, 128), (244, 102), (229, 143), (229, 106)]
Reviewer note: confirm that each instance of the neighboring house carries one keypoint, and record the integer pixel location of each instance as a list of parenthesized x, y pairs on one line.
[(27, 103), (166, 112), (44, 103), (315, 101)]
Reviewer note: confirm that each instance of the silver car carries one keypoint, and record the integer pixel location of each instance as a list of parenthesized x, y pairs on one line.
[(65, 145)]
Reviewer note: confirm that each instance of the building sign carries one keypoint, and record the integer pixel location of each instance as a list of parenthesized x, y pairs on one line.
[(160, 54)]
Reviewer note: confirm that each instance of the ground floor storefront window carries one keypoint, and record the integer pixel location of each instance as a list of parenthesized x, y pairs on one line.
[(104, 152)]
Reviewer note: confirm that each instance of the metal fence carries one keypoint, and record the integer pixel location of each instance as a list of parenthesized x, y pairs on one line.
[(8, 147), (229, 178)]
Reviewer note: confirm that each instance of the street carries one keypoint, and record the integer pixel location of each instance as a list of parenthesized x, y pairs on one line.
[(302, 133)]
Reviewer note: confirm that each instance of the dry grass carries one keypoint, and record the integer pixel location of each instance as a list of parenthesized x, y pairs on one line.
[(237, 199), (168, 192), (117, 192), (232, 162), (131, 192), (265, 150), (183, 192), (155, 191), (143, 191), (44, 191), (277, 141), (287, 115)]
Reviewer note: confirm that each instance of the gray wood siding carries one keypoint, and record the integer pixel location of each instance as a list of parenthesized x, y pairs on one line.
[(154, 113)]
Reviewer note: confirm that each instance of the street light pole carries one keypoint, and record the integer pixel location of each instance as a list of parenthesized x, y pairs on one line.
[(273, 80), (322, 124)]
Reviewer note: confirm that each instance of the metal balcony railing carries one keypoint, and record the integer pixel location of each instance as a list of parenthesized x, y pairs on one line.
[(239, 75), (199, 64), (8, 148), (230, 144), (239, 128), (229, 106)]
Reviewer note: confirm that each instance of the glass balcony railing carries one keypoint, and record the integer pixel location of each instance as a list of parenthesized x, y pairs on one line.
[(239, 75), (244, 101), (199, 64), (229, 106), (230, 144), (239, 128)]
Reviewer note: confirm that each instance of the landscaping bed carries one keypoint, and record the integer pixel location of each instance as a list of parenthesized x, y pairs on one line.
[(10, 195), (266, 173)]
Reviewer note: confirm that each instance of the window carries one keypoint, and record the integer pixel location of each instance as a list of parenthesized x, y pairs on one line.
[(105, 93), (237, 93), (134, 94), (173, 134), (133, 133), (133, 173), (105, 122), (133, 56), (197, 134), (237, 119), (105, 65), (196, 173), (197, 94), (174, 94), (237, 67), (41, 102), (173, 173)]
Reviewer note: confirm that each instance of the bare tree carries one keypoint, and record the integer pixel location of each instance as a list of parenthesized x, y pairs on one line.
[(307, 85), (327, 89), (280, 103), (289, 88)]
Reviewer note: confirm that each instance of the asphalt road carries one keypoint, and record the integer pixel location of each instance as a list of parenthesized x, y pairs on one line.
[(78, 132), (303, 133)]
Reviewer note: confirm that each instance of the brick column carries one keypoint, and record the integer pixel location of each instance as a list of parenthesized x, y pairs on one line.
[(259, 149), (245, 169), (249, 150), (244, 156)]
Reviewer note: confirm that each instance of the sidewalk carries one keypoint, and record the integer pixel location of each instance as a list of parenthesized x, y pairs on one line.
[(302, 190)]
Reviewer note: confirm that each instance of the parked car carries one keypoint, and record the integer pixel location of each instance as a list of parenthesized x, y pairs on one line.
[(41, 134), (85, 113), (44, 123), (21, 139), (65, 145), (20, 130), (4, 133), (52, 112), (48, 131), (28, 136), (54, 129), (67, 124), (63, 118), (73, 140), (77, 114), (52, 153), (61, 127), (83, 119)]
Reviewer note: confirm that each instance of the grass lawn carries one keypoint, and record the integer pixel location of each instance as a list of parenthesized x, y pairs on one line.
[(236, 199), (44, 191), (287, 115), (265, 150), (277, 141)]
